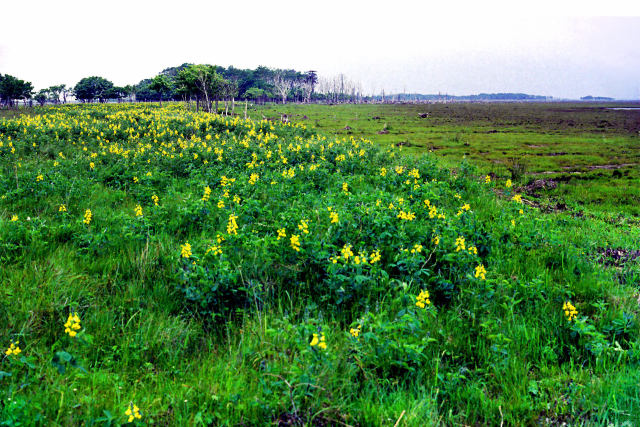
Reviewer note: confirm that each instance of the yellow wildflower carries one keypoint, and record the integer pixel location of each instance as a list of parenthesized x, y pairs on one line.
[(14, 349), (138, 210), (318, 341), (72, 325), (569, 311), (508, 183), (422, 300), (460, 244), (232, 226), (281, 233), (295, 242), (87, 216), (480, 272), (185, 250), (133, 412)]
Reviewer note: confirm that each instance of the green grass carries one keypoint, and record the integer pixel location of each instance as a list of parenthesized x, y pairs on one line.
[(226, 339), (491, 135)]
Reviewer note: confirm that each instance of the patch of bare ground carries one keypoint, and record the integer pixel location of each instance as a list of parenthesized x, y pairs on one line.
[(616, 256)]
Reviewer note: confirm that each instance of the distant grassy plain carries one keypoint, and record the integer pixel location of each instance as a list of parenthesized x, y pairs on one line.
[(590, 151)]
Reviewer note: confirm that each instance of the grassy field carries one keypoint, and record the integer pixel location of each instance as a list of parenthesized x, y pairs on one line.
[(589, 151), (162, 267)]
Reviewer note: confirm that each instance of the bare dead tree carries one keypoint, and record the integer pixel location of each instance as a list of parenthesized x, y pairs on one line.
[(282, 85)]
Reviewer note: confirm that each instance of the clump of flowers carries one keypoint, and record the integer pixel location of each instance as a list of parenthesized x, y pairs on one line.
[(375, 256), (14, 218), (232, 225), (460, 246), (487, 179), (569, 311), (62, 208), (207, 194), (304, 226), (185, 250), (517, 198), (345, 188), (14, 349), (295, 242), (217, 250), (281, 233), (72, 325), (39, 178), (480, 272), (334, 216), (138, 210), (422, 300), (253, 178), (407, 216), (87, 216), (133, 412), (508, 183), (355, 332), (155, 200), (436, 240), (318, 341)]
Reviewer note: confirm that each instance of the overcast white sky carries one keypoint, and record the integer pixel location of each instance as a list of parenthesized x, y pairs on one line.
[(565, 49)]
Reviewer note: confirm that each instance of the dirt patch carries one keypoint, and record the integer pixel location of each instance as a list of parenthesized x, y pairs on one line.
[(540, 184), (346, 128), (559, 153), (534, 146), (383, 132), (423, 115), (616, 256)]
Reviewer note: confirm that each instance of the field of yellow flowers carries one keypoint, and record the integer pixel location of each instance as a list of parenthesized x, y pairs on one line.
[(165, 267)]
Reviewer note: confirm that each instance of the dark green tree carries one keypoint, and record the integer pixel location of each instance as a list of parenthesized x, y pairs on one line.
[(90, 88), (162, 85)]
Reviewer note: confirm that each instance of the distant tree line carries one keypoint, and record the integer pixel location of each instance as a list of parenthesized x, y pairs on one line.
[(207, 86)]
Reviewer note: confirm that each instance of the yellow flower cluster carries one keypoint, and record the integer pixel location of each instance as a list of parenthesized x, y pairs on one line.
[(14, 349), (345, 188), (39, 178), (72, 325), (185, 250), (304, 226), (133, 412), (487, 179), (436, 240), (416, 249), (253, 178), (480, 272), (422, 300), (508, 183), (138, 210), (407, 216), (295, 242), (232, 226), (14, 218), (318, 341), (217, 250), (569, 311), (383, 172), (517, 198), (207, 194), (460, 246), (87, 216), (62, 208), (155, 200), (355, 332)]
